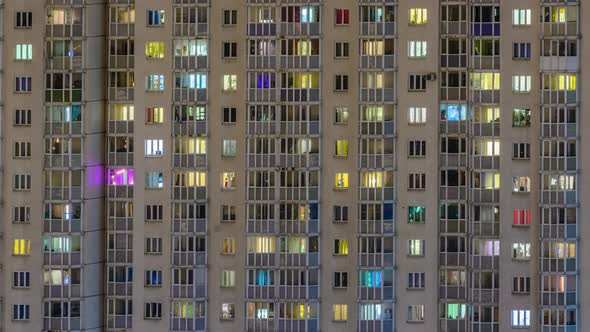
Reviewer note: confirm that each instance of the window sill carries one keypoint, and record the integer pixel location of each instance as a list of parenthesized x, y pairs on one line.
[(339, 321), (410, 289), (340, 156), (415, 321), (339, 255), (521, 225), (228, 189), (340, 189), (521, 260), (154, 221), (223, 319), (228, 221)]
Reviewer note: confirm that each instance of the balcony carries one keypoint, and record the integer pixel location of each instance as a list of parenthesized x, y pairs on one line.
[(387, 61), (120, 127), (191, 29), (379, 293), (62, 324), (73, 160), (120, 256), (55, 225), (294, 259), (377, 95), (560, 63), (299, 62), (73, 63), (120, 322), (191, 62), (189, 193), (453, 28), (72, 258), (300, 29), (377, 28), (194, 226), (120, 191), (121, 61), (299, 95), (60, 291), (262, 29), (190, 128), (63, 193), (189, 160), (120, 224), (189, 258), (189, 291), (192, 95)]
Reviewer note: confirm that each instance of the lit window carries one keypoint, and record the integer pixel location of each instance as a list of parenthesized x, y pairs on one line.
[(227, 311), (417, 49), (557, 14), (192, 47), (24, 51), (154, 115), (230, 83), (228, 278), (418, 16), (154, 83), (153, 278), (154, 50), (340, 247), (416, 247), (416, 214), (521, 117), (120, 176), (521, 83), (154, 147), (521, 17), (371, 278), (371, 179), (21, 247), (119, 112), (453, 112), (486, 147), (521, 217), (228, 246), (416, 313), (521, 184), (228, 180), (154, 180), (340, 312), (341, 115), (453, 311), (486, 247), (560, 82), (417, 115), (342, 16), (261, 244), (341, 181), (341, 148), (521, 250), (521, 318), (229, 147), (155, 18), (485, 81)]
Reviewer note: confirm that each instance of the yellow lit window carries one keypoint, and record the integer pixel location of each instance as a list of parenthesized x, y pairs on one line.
[(154, 50), (373, 113), (190, 179), (230, 82), (303, 47), (566, 82), (371, 179), (21, 247), (340, 247), (261, 244), (341, 180), (340, 312), (558, 15), (487, 114), (155, 115), (190, 145), (294, 244), (183, 310), (486, 147), (418, 16), (341, 148), (485, 81), (372, 47), (303, 212), (228, 246), (228, 180), (303, 80), (121, 113)]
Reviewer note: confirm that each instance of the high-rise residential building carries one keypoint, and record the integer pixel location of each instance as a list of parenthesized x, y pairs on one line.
[(294, 165)]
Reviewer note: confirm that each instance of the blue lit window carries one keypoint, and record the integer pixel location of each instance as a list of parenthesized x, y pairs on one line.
[(453, 112), (262, 278), (372, 278), (155, 17)]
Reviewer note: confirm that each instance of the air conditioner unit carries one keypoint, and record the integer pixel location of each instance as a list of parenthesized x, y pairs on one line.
[(431, 77)]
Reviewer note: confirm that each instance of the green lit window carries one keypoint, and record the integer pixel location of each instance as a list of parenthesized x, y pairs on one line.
[(416, 214)]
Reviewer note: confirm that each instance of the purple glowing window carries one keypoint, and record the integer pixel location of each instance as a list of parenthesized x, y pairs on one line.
[(120, 177), (264, 81)]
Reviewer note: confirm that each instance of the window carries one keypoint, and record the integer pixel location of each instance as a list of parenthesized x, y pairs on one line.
[(417, 49), (153, 278), (21, 247), (230, 50), (521, 184), (154, 180), (21, 214), (229, 148), (153, 245), (21, 312), (23, 20), (154, 147), (24, 52), (417, 82), (230, 17), (154, 50), (521, 285), (340, 247), (418, 16), (416, 313), (22, 182), (417, 115), (342, 16), (154, 83), (154, 115), (416, 280), (521, 51), (521, 118), (192, 47), (340, 213), (453, 112), (154, 212), (521, 251), (521, 83), (21, 279), (228, 278), (417, 181), (153, 310), (228, 311), (521, 17), (341, 115), (228, 180), (521, 151), (341, 148), (340, 280), (228, 213), (22, 150), (229, 115), (340, 312), (155, 18), (230, 83), (521, 217), (416, 214), (23, 84), (228, 246), (415, 247), (22, 117), (341, 82), (521, 318), (417, 149), (341, 181), (342, 50)]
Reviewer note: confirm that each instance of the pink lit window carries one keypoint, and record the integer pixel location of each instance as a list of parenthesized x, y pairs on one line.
[(120, 177), (342, 16), (522, 217)]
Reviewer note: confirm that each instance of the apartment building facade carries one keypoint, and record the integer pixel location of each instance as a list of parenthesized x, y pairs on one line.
[(293, 165)]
